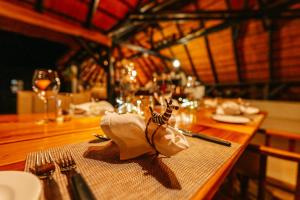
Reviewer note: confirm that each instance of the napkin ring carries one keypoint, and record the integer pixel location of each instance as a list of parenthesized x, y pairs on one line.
[(159, 120), (151, 140)]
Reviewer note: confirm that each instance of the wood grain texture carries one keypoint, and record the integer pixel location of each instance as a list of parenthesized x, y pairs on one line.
[(27, 16), (20, 134)]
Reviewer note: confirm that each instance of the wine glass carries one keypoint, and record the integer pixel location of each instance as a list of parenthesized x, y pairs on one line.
[(163, 89), (46, 84)]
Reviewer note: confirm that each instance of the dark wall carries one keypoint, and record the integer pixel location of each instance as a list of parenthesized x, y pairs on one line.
[(19, 56)]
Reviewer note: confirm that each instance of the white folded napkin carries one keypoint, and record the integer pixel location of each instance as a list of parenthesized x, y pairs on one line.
[(233, 108), (249, 110), (128, 132), (211, 103), (229, 108), (95, 108)]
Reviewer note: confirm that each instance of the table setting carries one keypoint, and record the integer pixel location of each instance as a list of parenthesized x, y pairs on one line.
[(103, 152), (236, 112), (140, 158)]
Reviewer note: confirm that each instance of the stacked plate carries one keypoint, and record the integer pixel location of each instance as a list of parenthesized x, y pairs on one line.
[(232, 112), (17, 185)]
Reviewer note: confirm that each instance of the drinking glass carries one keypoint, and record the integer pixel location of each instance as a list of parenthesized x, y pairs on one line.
[(46, 84), (163, 89), (65, 107)]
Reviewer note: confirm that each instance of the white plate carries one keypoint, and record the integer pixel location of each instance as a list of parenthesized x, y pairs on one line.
[(231, 119), (249, 110), (17, 185)]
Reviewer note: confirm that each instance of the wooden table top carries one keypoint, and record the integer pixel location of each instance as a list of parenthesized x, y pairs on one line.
[(20, 134)]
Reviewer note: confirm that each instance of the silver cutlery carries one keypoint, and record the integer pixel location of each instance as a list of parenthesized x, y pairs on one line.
[(101, 137), (44, 166), (203, 137), (79, 188)]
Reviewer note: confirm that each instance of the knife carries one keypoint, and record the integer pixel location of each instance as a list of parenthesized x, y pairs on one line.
[(101, 137), (205, 137), (80, 188)]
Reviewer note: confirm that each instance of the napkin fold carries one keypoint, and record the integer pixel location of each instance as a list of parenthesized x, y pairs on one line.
[(234, 108), (95, 108), (128, 132), (229, 108)]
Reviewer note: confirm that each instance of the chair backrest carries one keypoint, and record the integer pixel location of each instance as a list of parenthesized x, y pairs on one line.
[(260, 155), (24, 102), (29, 102), (82, 97)]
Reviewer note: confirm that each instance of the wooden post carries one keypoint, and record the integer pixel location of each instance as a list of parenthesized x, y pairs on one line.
[(110, 82)]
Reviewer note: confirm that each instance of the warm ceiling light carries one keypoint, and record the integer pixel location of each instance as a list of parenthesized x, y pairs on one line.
[(176, 63), (133, 73)]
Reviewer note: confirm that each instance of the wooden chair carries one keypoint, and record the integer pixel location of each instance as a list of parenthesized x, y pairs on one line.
[(28, 102), (254, 163)]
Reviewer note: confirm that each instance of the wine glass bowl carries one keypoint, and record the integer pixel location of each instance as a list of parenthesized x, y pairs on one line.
[(163, 88), (46, 84)]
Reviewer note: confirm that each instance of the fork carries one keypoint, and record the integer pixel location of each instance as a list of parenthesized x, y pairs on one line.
[(79, 188), (44, 166)]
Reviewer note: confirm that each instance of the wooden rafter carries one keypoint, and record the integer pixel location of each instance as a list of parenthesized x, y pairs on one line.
[(85, 46), (164, 38), (214, 15), (128, 5), (39, 5), (154, 64), (210, 57), (147, 69), (207, 45), (27, 16), (92, 9), (110, 14), (147, 65), (270, 52), (144, 59), (126, 29), (235, 38), (142, 68), (186, 49), (170, 50)]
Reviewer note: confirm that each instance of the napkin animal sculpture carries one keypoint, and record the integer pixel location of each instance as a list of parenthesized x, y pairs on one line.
[(134, 138)]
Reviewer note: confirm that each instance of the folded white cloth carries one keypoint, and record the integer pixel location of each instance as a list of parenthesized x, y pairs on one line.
[(233, 108), (211, 103), (128, 132), (95, 108), (228, 108), (249, 110)]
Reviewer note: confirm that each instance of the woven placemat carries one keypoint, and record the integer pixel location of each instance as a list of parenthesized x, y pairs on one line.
[(178, 177)]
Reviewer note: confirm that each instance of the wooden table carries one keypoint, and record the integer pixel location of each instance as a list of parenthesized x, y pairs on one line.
[(20, 134)]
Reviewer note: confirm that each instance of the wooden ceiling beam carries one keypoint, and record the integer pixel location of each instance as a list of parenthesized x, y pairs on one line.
[(155, 65), (214, 15), (39, 5), (126, 29), (93, 5), (170, 50), (210, 56), (186, 49), (147, 76), (234, 40), (27, 16), (164, 38), (11, 25), (128, 5)]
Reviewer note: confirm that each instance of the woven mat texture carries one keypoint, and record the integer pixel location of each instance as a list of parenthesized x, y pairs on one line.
[(178, 177)]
